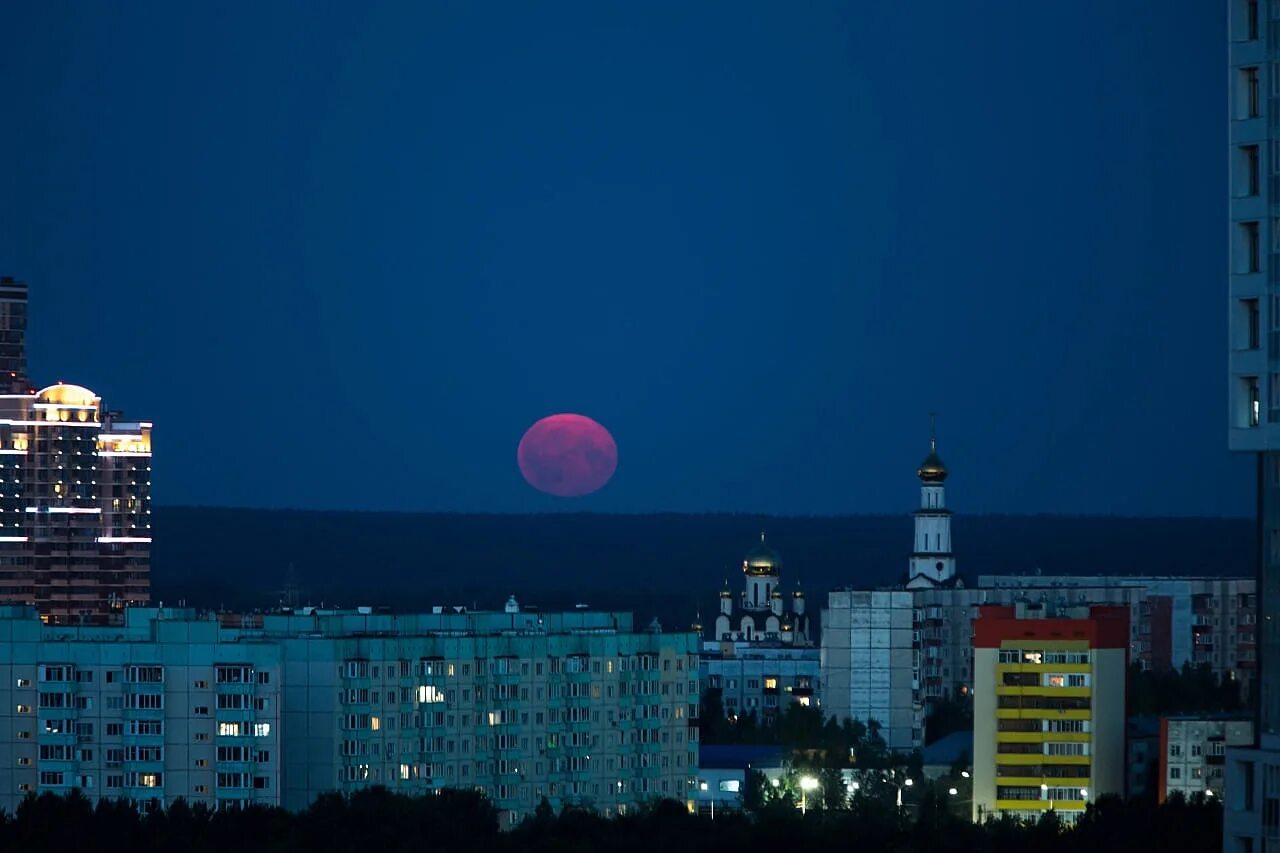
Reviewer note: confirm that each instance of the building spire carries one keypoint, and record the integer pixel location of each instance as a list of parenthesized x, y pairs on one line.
[(933, 432)]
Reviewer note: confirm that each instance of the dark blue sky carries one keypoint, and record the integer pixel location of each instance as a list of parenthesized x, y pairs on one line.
[(344, 256)]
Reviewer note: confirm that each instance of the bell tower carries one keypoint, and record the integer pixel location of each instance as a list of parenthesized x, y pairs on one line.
[(931, 557)]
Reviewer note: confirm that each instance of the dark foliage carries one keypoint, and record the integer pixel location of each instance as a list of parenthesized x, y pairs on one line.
[(1189, 690), (461, 821)]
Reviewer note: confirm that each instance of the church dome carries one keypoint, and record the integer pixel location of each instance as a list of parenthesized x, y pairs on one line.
[(762, 560), (932, 469)]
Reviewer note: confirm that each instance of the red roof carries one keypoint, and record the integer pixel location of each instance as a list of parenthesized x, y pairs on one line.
[(1107, 627)]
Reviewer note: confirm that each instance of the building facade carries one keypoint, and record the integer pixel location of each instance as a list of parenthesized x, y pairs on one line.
[(1049, 709), (1251, 820), (866, 659), (576, 707), (756, 678), (75, 491), (1193, 754), (1173, 621)]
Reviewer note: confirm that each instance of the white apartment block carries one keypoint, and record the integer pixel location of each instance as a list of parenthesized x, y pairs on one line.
[(1193, 754)]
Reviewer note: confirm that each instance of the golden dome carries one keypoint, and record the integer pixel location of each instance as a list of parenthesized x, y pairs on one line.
[(932, 469), (762, 560)]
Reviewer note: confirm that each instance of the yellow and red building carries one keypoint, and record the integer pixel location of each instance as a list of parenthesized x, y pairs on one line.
[(1049, 708)]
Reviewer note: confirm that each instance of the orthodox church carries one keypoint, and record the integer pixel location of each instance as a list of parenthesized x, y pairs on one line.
[(760, 614)]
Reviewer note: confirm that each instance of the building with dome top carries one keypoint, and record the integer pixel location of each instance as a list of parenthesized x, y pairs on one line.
[(75, 492), (761, 655), (932, 564)]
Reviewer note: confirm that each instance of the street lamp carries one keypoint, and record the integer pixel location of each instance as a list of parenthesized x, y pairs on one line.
[(952, 791), (964, 773), (807, 784)]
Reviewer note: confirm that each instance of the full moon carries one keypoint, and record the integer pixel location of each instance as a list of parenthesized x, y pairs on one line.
[(567, 455)]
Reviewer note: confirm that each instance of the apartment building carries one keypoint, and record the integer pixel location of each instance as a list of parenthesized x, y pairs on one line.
[(1049, 709), (577, 707)]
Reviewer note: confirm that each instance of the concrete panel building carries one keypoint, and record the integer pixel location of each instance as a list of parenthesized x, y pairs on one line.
[(1049, 709), (1193, 754), (576, 707), (1251, 820), (867, 662)]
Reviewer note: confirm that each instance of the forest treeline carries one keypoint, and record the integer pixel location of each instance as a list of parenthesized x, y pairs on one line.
[(377, 819)]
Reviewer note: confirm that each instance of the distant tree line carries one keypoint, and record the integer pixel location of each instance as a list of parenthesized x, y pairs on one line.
[(813, 739), (377, 819)]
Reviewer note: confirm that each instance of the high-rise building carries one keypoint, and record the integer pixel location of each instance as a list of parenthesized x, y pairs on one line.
[(75, 505), (1252, 815), (13, 335), (1049, 709), (278, 708), (75, 491), (867, 663)]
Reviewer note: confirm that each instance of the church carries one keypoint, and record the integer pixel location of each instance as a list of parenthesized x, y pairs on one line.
[(762, 614), (762, 657), (932, 565)]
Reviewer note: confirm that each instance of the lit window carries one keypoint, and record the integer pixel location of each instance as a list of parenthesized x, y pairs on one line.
[(261, 729), (228, 729), (771, 683)]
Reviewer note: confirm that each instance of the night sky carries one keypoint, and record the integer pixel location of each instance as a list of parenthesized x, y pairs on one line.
[(344, 256)]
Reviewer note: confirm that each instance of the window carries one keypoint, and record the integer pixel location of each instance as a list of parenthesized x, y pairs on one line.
[(240, 674), (1252, 401), (730, 786), (1250, 258), (1253, 323), (1175, 772), (261, 729), (1248, 179), (1251, 103), (50, 777), (228, 729), (1251, 20), (144, 674)]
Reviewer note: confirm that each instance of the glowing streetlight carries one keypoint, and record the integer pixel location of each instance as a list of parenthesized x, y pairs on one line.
[(909, 782), (774, 782), (1084, 793), (964, 773), (952, 791), (807, 784)]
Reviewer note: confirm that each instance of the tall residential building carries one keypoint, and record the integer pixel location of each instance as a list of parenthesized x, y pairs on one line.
[(1251, 820), (1049, 709), (762, 657), (75, 491), (867, 662), (75, 505), (13, 335), (576, 707)]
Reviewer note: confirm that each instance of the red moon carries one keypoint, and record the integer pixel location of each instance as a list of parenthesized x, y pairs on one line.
[(567, 455)]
